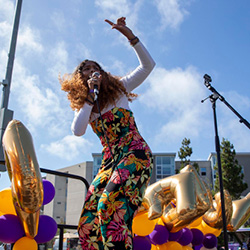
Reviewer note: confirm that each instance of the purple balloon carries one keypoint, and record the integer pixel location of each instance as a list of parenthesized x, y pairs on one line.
[(47, 229), (197, 237), (140, 242), (210, 241), (186, 237), (49, 192), (11, 228), (175, 236), (198, 247), (159, 235)]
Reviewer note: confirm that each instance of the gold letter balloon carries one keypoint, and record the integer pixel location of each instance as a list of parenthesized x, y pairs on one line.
[(184, 198), (178, 199), (213, 217), (241, 213), (24, 173)]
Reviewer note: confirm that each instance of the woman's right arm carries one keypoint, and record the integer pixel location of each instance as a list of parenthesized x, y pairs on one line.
[(81, 120)]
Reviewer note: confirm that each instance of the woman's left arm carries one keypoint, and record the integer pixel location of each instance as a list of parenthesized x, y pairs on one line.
[(137, 76), (134, 79)]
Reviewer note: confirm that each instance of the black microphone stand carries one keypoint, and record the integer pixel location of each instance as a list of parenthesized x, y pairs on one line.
[(213, 99), (218, 95)]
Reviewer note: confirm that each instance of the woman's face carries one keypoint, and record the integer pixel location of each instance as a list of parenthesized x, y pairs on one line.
[(89, 68)]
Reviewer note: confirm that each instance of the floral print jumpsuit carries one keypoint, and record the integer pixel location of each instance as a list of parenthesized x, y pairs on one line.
[(117, 190)]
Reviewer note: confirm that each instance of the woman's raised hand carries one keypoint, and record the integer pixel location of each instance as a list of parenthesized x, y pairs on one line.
[(120, 25)]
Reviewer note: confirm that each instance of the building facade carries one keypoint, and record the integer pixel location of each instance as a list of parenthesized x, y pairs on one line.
[(67, 204), (70, 193)]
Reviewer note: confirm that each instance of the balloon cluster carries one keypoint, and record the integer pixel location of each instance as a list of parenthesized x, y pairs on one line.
[(20, 205), (11, 227), (179, 212), (155, 235)]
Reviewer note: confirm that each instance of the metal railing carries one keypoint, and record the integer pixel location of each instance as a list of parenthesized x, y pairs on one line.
[(65, 226)]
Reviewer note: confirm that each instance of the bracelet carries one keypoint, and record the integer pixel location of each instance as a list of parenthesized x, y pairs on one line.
[(134, 41)]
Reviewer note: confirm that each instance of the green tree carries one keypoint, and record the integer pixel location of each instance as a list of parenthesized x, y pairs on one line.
[(185, 152), (232, 175)]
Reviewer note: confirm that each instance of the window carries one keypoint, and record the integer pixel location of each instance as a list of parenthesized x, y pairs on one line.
[(99, 161), (164, 166), (96, 164), (203, 171), (215, 173), (166, 160)]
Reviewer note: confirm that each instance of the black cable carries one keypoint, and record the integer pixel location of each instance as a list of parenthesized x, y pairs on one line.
[(112, 156)]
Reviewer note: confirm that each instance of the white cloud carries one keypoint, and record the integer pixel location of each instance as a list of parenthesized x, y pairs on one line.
[(174, 89), (29, 39), (6, 19), (68, 148), (57, 60), (176, 95), (116, 7), (58, 20), (171, 12), (228, 122), (6, 10), (5, 29), (32, 100), (237, 133), (113, 9), (39, 105), (118, 67), (83, 52)]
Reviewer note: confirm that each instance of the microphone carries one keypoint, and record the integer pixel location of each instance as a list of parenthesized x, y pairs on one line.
[(93, 77)]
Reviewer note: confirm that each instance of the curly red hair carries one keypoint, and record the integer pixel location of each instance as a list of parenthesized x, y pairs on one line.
[(76, 85)]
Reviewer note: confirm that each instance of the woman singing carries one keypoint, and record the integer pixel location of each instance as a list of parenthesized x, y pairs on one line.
[(117, 190)]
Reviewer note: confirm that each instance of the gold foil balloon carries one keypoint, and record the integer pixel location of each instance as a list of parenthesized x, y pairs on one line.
[(179, 199), (213, 217), (241, 213), (25, 176)]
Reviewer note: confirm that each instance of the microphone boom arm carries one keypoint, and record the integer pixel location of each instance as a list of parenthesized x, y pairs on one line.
[(207, 80)]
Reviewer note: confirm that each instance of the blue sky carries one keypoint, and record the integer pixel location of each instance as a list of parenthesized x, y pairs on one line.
[(187, 39)]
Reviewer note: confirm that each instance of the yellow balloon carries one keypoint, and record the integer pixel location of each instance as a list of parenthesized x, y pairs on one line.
[(217, 232), (196, 223), (25, 243), (187, 248), (153, 247), (6, 202), (142, 226), (207, 229), (161, 247), (171, 245)]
